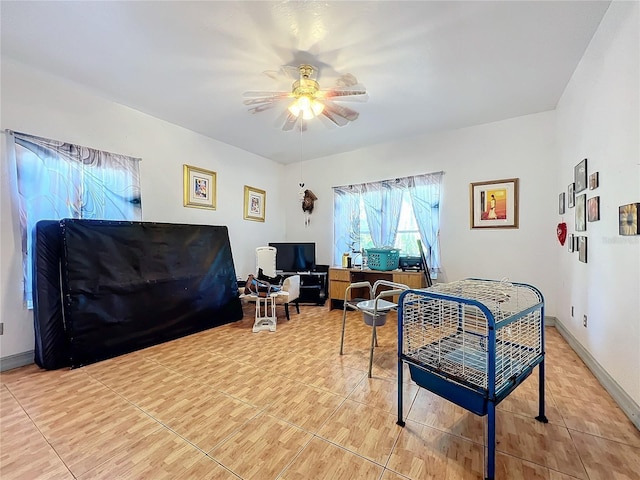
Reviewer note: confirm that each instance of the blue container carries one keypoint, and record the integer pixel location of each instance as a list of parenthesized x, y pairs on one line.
[(383, 259)]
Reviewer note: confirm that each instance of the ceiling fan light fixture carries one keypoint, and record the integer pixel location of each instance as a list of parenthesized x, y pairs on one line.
[(306, 101), (317, 107), (306, 106)]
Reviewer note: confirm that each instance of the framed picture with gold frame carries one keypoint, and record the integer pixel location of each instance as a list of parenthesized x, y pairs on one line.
[(494, 204), (255, 202), (199, 187)]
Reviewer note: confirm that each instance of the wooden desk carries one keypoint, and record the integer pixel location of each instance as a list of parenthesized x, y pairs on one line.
[(340, 278)]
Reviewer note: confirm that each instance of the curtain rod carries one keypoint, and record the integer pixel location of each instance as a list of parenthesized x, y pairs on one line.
[(441, 172)]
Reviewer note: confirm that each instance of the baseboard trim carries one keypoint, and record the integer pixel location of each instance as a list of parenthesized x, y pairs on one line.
[(550, 321), (622, 398), (14, 361)]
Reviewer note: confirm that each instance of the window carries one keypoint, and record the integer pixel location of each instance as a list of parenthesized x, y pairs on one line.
[(58, 180), (406, 234), (394, 213)]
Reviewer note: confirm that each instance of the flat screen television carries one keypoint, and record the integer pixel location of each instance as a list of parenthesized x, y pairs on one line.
[(295, 256)]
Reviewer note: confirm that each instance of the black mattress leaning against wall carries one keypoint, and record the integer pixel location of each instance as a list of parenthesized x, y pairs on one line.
[(130, 285), (51, 343)]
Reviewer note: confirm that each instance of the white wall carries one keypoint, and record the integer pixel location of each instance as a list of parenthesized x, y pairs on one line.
[(599, 119), (523, 147), (42, 105)]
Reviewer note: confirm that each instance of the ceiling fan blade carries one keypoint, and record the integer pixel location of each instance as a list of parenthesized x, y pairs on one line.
[(273, 74), (353, 88), (289, 122), (262, 104), (346, 95), (341, 111), (257, 101), (259, 94), (286, 73), (327, 122), (335, 119), (291, 125), (346, 80), (261, 108)]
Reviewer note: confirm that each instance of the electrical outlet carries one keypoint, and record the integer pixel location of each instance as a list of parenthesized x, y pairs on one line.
[(584, 321), (572, 310)]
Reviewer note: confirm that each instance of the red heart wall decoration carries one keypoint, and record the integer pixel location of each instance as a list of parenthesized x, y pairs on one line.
[(562, 232)]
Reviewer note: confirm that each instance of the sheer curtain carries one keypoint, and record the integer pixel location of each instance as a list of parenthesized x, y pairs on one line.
[(382, 206), (58, 180), (346, 221), (425, 201), (382, 203)]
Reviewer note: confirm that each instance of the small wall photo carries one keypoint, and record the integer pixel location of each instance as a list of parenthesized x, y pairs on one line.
[(254, 204)]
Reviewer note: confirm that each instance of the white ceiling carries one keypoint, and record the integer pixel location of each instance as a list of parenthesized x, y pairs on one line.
[(427, 65)]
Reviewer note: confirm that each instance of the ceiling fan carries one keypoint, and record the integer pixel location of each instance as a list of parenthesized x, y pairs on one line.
[(307, 100)]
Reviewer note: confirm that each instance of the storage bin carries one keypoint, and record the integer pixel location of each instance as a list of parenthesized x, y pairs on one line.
[(383, 259)]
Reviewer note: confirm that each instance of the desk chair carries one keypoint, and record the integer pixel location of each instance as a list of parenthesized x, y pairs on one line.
[(290, 285), (374, 309)]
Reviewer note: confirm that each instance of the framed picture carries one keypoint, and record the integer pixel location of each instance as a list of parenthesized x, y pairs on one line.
[(580, 176), (581, 213), (561, 203), (594, 180), (199, 187), (571, 196), (628, 223), (254, 204), (494, 204), (593, 209), (582, 249)]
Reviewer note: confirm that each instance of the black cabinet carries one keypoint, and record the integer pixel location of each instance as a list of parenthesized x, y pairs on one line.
[(313, 286)]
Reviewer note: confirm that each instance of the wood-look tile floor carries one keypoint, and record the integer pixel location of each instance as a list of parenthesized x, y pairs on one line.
[(229, 404)]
